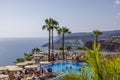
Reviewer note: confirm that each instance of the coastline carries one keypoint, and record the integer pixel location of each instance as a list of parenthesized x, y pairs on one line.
[(12, 48)]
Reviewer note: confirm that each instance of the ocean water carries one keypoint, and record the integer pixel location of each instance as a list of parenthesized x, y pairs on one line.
[(12, 48)]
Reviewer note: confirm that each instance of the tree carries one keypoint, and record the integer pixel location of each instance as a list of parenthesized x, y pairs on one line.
[(35, 50), (100, 67), (60, 48), (96, 33), (28, 57), (63, 31), (48, 26), (79, 48), (68, 48), (54, 26), (19, 60)]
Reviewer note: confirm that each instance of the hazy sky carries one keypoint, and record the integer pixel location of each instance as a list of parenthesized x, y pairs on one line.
[(24, 18)]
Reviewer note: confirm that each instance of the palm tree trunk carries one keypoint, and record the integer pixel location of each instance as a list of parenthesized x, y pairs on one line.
[(52, 46), (66, 56), (63, 46), (49, 47)]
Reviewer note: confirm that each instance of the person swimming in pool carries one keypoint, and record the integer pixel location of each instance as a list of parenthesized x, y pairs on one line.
[(66, 67), (70, 67), (49, 69)]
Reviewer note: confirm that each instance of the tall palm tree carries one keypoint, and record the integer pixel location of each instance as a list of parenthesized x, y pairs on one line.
[(63, 31), (50, 24), (47, 26), (96, 33), (54, 26)]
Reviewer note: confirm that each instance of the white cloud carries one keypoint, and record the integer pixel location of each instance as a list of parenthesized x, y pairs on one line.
[(116, 2)]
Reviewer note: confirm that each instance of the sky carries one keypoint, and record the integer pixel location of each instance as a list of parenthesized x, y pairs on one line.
[(25, 18)]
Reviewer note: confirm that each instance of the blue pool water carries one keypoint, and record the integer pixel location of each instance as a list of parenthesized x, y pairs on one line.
[(63, 67)]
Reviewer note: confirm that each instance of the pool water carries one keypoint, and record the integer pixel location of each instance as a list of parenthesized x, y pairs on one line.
[(63, 67)]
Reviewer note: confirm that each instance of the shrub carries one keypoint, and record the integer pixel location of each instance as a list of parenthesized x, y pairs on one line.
[(101, 67)]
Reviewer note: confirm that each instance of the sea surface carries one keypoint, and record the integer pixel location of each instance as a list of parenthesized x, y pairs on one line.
[(12, 48)]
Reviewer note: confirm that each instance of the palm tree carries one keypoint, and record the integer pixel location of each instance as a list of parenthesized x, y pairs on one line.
[(54, 26), (63, 31), (28, 57), (35, 50), (48, 26), (96, 33), (19, 60)]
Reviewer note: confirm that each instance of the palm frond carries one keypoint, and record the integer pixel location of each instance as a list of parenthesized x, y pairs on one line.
[(44, 27)]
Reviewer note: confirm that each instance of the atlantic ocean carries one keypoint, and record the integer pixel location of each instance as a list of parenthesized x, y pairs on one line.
[(13, 48)]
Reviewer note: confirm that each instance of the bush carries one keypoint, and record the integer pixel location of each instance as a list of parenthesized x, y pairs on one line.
[(101, 67)]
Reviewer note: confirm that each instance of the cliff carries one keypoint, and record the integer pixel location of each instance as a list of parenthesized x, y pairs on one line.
[(110, 44), (84, 38)]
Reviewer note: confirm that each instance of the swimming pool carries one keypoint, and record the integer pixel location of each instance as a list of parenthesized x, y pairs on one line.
[(63, 67)]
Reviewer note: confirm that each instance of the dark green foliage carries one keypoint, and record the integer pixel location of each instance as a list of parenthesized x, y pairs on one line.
[(79, 48), (60, 48), (68, 48), (28, 57), (35, 50), (19, 60)]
